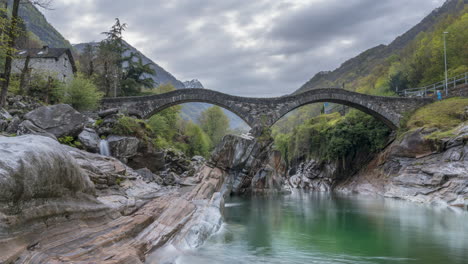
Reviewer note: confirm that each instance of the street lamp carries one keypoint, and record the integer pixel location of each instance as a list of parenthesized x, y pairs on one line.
[(445, 61)]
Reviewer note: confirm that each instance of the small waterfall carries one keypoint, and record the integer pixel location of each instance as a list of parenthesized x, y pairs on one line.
[(104, 147)]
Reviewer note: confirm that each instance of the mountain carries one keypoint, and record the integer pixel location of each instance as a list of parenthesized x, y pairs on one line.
[(366, 71), (193, 84), (39, 28)]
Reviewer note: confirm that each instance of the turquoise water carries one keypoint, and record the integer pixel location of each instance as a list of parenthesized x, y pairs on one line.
[(321, 228)]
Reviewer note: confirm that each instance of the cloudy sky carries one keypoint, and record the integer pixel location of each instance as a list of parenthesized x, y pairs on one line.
[(244, 47)]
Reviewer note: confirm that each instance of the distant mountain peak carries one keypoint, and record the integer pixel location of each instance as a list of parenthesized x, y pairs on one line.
[(193, 84)]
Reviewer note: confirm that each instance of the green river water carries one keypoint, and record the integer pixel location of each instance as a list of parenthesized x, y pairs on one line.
[(326, 228)]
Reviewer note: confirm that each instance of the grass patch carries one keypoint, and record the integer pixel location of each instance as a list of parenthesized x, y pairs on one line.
[(441, 134), (444, 115)]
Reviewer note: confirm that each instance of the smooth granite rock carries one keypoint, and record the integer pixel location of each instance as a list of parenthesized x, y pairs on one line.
[(59, 120), (89, 139)]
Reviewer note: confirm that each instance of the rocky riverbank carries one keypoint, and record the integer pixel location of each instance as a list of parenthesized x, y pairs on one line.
[(414, 167), (419, 169), (61, 204), (52, 212)]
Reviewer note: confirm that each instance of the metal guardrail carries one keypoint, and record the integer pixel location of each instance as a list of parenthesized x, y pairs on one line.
[(431, 90)]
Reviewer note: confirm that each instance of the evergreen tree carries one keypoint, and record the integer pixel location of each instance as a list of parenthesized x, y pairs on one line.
[(110, 59), (135, 75)]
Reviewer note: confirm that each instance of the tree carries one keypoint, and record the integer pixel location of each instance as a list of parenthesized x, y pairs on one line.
[(82, 94), (398, 82), (135, 75), (198, 141), (11, 40), (24, 75), (87, 60), (110, 59), (215, 123)]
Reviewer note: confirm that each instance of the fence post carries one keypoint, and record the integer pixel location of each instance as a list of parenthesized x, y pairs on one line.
[(466, 77)]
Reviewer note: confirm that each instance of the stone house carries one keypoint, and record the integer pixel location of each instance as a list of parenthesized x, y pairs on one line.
[(57, 63)]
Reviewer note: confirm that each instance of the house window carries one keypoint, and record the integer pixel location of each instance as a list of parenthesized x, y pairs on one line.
[(65, 64)]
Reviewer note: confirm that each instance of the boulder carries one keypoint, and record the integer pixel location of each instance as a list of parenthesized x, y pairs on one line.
[(152, 160), (414, 145), (59, 120), (27, 127), (17, 112), (3, 125), (123, 147), (177, 161), (148, 176), (5, 115), (89, 139), (170, 178), (108, 112), (13, 125), (46, 170)]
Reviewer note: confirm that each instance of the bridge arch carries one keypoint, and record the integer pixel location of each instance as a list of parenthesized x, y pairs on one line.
[(146, 106), (238, 113), (376, 106), (267, 111)]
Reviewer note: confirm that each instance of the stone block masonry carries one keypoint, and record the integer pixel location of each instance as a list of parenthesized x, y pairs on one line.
[(265, 112)]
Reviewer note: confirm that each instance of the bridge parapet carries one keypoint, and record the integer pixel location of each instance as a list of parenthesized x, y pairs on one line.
[(267, 111)]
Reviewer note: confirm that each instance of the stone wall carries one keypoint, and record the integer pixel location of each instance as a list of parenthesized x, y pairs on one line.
[(60, 68)]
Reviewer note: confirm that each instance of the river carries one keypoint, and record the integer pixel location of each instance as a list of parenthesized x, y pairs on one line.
[(329, 228)]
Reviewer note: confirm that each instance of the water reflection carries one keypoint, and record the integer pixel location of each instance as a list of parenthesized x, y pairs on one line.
[(328, 228)]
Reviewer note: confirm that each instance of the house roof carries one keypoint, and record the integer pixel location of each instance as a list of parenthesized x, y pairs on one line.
[(51, 53)]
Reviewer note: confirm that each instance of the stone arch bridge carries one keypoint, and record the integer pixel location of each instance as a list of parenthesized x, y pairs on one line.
[(265, 112)]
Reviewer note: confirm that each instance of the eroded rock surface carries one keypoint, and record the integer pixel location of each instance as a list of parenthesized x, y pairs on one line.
[(63, 205), (418, 169), (252, 165)]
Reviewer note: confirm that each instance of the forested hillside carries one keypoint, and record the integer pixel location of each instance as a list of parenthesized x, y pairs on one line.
[(411, 60)]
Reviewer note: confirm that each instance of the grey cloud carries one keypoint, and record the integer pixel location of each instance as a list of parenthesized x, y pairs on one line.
[(283, 54)]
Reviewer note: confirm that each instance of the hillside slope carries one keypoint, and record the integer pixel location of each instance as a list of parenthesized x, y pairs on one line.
[(37, 24), (366, 72)]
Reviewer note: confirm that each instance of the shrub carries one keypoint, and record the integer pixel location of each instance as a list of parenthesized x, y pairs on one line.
[(128, 126), (98, 122), (82, 94), (70, 141), (48, 90)]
